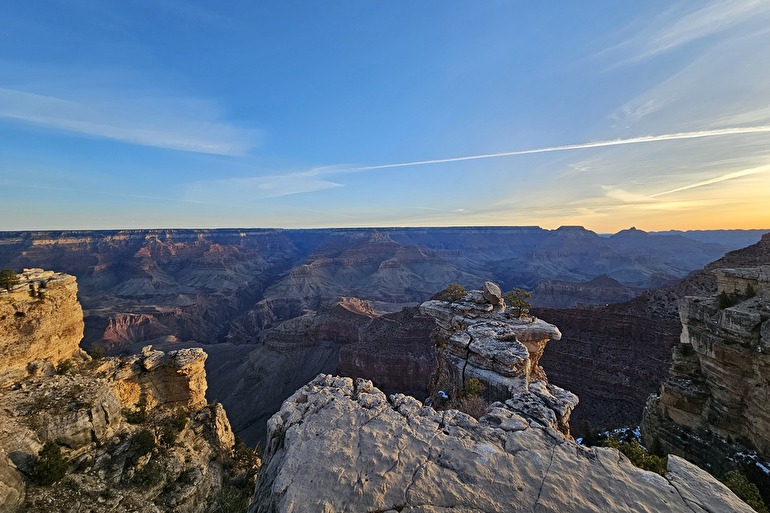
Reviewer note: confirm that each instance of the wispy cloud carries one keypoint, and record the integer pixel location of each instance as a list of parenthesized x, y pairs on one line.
[(246, 190), (671, 29), (720, 132), (163, 122), (718, 179)]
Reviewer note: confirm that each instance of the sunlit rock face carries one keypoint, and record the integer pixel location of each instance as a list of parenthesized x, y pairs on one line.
[(713, 408), (41, 322), (137, 432), (337, 445)]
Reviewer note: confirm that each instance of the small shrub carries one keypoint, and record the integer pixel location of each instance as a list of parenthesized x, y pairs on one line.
[(453, 292), (745, 489), (727, 300), (473, 405), (638, 455), (473, 386), (149, 475), (97, 352), (588, 434), (49, 466), (136, 417), (142, 444), (64, 367), (517, 300)]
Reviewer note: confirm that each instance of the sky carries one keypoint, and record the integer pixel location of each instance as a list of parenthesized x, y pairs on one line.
[(196, 114)]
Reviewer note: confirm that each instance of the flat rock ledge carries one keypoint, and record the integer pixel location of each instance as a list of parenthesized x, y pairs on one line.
[(338, 446)]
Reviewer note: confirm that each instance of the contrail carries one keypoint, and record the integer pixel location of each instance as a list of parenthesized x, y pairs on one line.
[(723, 178), (596, 144)]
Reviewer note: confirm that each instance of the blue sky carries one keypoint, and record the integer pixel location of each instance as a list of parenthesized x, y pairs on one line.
[(312, 114)]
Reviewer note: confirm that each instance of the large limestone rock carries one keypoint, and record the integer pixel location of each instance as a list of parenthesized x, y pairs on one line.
[(713, 408), (40, 321), (137, 431), (336, 446), (477, 338)]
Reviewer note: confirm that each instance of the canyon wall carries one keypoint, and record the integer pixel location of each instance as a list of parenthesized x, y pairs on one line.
[(343, 445), (713, 408), (135, 433)]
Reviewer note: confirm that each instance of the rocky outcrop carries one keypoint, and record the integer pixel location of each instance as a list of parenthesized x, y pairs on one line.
[(713, 406), (11, 485), (136, 432), (154, 378), (40, 321), (477, 338), (339, 446)]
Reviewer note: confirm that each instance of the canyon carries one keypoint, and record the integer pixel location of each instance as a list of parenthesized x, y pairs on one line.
[(343, 445), (268, 305)]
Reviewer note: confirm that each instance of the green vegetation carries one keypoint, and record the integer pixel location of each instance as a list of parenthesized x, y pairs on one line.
[(638, 455), (453, 292), (136, 417), (517, 300), (8, 279), (242, 469), (653, 460), (727, 300), (473, 386), (142, 444), (49, 466), (471, 400), (746, 490), (97, 352), (171, 428), (64, 367)]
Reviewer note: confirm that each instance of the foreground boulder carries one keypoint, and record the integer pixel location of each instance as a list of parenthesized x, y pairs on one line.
[(337, 446)]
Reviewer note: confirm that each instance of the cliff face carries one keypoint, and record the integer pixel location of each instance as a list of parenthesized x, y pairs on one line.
[(713, 406), (136, 432), (614, 356), (40, 321), (340, 446), (613, 361), (395, 351), (478, 338)]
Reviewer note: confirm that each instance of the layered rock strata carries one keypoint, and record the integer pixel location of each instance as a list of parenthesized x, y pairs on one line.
[(477, 338), (41, 321), (136, 432), (336, 446), (713, 406)]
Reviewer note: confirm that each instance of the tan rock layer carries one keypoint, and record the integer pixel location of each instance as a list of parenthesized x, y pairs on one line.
[(40, 320)]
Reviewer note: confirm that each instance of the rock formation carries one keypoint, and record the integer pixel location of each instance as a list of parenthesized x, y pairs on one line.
[(136, 432), (40, 322), (478, 338), (614, 356), (713, 408), (338, 446)]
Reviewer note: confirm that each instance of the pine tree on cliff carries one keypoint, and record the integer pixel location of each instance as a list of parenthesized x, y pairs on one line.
[(8, 279)]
